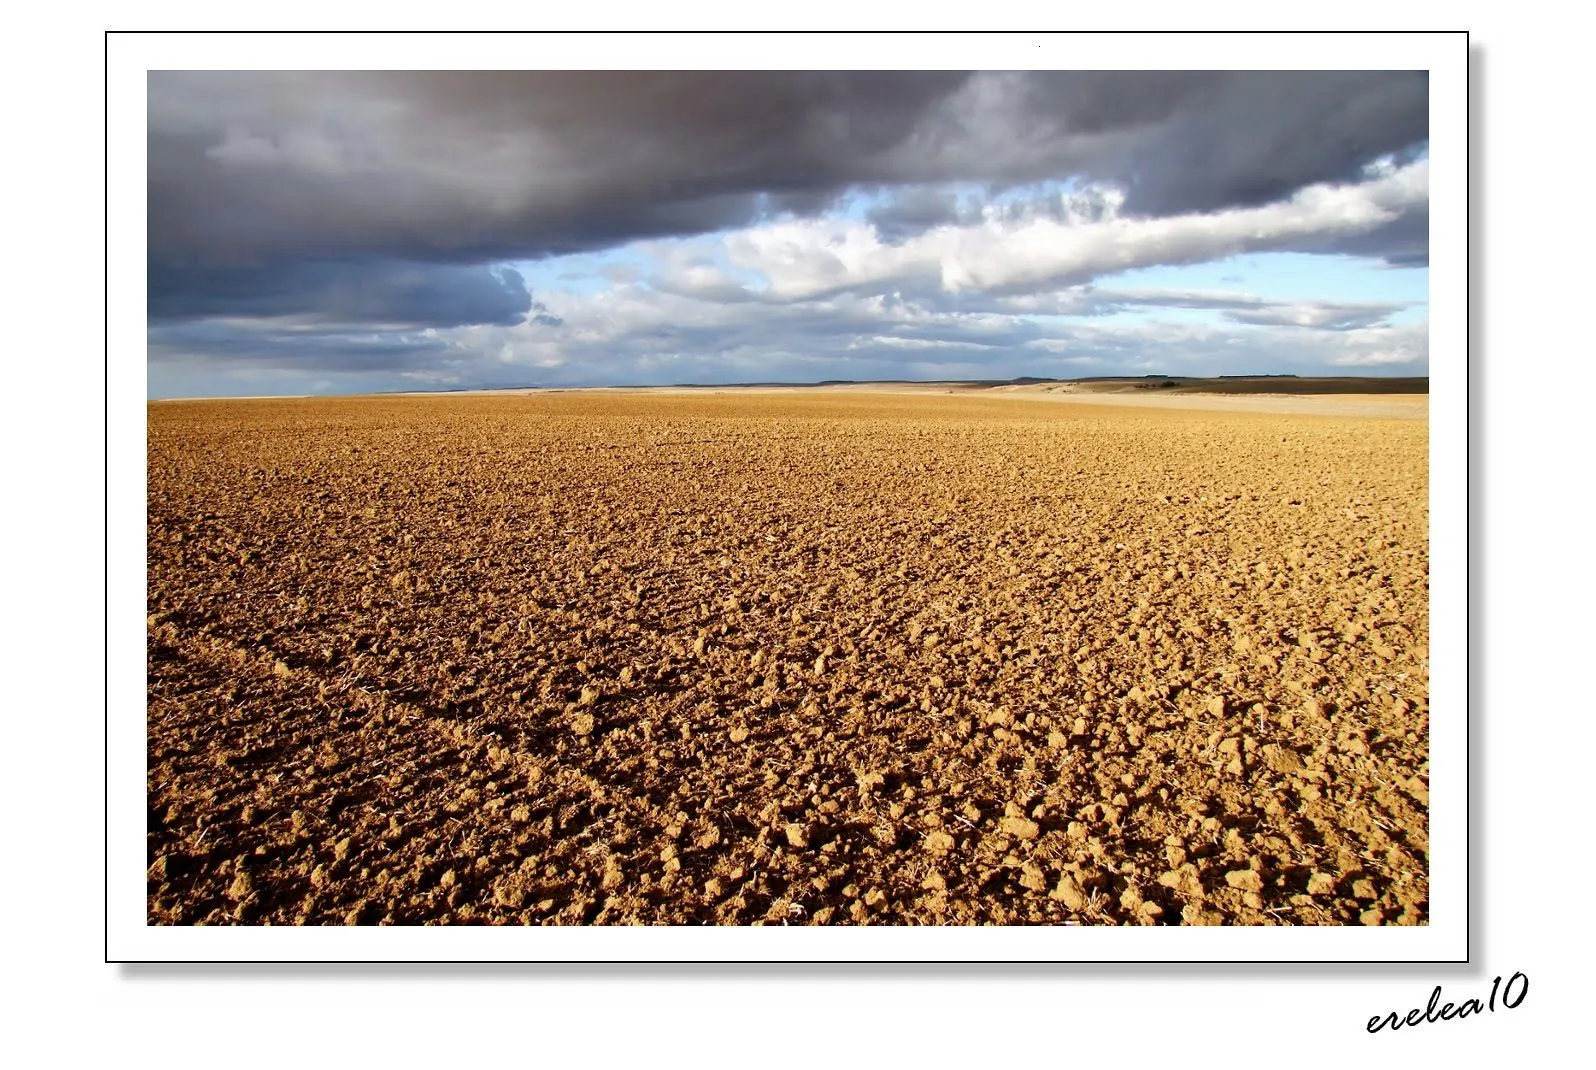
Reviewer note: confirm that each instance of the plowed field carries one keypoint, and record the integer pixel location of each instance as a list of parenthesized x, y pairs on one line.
[(801, 658)]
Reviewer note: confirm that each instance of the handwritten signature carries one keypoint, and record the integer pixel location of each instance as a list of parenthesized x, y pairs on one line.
[(1438, 1012)]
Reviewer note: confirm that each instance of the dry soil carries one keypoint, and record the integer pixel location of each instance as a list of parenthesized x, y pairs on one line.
[(803, 658)]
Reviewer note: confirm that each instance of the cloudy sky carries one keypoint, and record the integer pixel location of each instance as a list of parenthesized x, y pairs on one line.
[(343, 232)]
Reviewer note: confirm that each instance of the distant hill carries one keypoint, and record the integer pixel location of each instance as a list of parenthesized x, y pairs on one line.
[(1283, 383), (1286, 383), (1261, 384)]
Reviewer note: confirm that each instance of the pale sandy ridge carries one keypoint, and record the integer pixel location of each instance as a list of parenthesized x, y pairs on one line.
[(1390, 406), (1399, 406)]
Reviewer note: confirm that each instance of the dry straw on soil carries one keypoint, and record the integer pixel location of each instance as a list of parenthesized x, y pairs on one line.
[(800, 658)]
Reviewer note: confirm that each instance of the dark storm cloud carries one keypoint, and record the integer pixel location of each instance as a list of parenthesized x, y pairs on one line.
[(915, 211), (389, 292), (455, 164), (1248, 139), (1404, 242), (246, 167), (330, 350)]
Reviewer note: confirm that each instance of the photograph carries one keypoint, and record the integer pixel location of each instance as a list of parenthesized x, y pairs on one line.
[(788, 498), (817, 535)]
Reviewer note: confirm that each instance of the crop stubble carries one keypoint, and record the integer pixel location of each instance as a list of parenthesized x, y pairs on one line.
[(797, 658)]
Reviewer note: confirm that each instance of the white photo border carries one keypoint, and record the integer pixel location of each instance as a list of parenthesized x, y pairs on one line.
[(129, 58)]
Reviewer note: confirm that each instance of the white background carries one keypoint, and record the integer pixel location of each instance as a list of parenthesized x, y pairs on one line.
[(1530, 592)]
